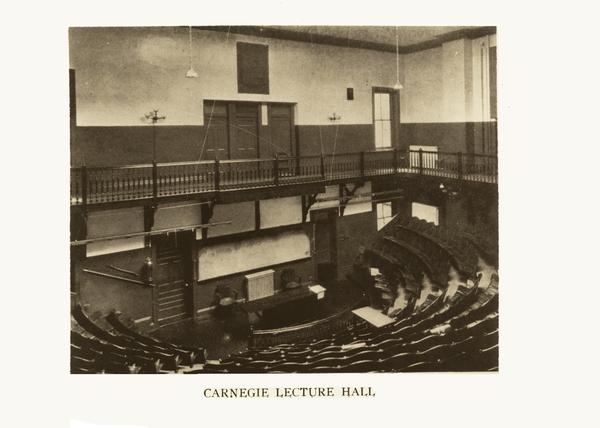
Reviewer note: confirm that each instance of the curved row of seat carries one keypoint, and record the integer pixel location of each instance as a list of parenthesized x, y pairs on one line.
[(447, 333), (454, 331), (458, 335), (116, 348)]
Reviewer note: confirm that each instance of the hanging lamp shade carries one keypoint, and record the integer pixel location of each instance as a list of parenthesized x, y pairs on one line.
[(398, 85), (191, 73)]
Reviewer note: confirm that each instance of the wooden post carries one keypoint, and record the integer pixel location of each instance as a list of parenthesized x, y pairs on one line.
[(154, 180), (84, 186), (322, 167), (276, 170), (460, 165), (217, 175), (421, 161), (396, 166)]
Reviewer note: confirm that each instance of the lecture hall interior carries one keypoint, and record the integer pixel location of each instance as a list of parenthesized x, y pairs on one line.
[(283, 199)]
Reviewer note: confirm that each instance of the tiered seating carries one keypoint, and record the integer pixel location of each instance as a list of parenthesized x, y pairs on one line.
[(441, 337), (95, 349), (448, 333), (456, 330)]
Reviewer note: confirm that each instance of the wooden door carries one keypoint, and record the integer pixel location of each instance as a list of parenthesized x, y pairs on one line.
[(244, 144), (281, 124), (173, 297), (325, 257), (215, 142)]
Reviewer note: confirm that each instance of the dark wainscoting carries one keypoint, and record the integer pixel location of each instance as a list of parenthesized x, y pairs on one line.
[(105, 294), (450, 136), (125, 145), (350, 138)]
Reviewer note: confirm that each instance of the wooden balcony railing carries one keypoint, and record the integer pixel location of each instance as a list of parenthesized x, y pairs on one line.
[(94, 185)]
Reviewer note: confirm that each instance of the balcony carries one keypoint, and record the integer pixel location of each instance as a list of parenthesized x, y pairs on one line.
[(101, 185)]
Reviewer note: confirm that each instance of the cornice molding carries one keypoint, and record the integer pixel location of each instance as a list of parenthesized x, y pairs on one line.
[(298, 36)]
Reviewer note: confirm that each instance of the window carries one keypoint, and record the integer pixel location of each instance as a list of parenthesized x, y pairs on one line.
[(426, 212), (252, 68), (384, 214), (493, 93), (382, 120)]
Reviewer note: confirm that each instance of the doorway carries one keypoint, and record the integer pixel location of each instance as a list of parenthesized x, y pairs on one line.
[(172, 277), (248, 130), (325, 251)]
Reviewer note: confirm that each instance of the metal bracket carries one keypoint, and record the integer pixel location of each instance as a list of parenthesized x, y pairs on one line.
[(307, 202), (346, 195)]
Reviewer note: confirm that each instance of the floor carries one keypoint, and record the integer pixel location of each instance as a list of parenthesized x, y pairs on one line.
[(224, 335)]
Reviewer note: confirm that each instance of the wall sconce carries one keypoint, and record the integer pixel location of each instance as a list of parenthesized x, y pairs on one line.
[(334, 117)]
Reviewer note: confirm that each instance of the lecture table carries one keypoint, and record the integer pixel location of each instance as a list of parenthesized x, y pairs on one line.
[(285, 299)]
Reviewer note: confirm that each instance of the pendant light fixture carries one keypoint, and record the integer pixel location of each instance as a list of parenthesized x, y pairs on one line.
[(398, 85), (191, 73)]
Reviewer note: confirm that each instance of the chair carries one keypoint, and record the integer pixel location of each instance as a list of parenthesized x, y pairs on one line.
[(226, 298), (289, 279)]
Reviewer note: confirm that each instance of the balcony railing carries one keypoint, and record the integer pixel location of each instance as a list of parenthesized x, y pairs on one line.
[(94, 185)]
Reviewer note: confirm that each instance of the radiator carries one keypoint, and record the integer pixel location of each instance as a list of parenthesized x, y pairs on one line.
[(260, 284)]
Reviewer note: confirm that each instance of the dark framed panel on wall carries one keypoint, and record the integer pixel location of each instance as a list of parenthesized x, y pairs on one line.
[(252, 68)]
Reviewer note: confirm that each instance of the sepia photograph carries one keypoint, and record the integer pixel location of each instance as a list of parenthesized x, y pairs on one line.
[(283, 199)]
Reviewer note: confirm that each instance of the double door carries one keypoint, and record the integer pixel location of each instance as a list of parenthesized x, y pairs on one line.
[(247, 130)]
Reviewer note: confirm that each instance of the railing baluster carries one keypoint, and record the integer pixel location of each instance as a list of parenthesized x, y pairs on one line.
[(217, 177), (97, 185), (84, 186), (361, 164)]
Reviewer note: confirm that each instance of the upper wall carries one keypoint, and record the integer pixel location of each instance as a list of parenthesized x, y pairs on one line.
[(448, 84), (122, 73), (421, 98)]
